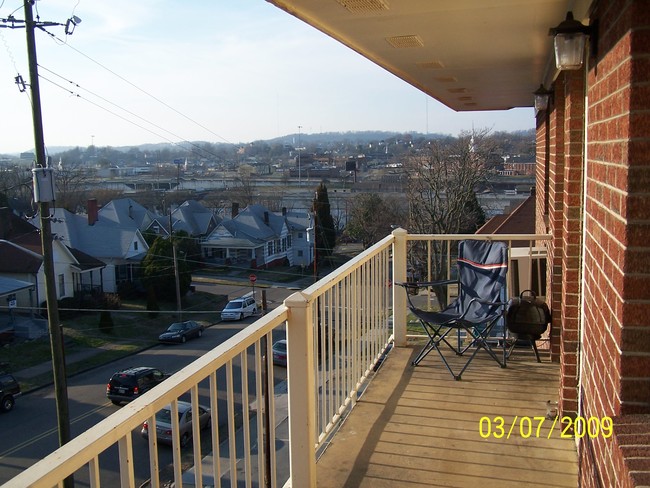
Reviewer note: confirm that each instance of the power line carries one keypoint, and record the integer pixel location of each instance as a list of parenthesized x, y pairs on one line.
[(78, 95), (108, 111), (140, 89)]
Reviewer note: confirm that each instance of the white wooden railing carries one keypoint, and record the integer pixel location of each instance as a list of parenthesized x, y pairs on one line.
[(337, 331)]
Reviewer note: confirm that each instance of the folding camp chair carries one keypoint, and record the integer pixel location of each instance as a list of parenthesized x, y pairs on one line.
[(478, 311)]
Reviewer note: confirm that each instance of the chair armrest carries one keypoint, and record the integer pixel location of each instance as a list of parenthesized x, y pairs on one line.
[(487, 302), (422, 284)]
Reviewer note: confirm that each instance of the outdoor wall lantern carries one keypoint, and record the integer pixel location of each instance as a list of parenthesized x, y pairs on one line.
[(542, 97), (569, 39)]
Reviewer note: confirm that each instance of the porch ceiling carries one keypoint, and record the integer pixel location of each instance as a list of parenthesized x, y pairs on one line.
[(468, 54)]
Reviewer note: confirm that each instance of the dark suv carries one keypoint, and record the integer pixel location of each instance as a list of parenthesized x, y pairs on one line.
[(9, 390), (130, 383)]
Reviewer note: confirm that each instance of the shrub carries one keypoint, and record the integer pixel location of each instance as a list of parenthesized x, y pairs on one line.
[(112, 301), (106, 322)]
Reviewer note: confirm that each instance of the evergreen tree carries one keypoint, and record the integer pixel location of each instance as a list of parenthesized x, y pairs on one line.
[(158, 270), (189, 249), (325, 231)]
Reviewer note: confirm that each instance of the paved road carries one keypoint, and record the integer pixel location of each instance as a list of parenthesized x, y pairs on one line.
[(28, 433)]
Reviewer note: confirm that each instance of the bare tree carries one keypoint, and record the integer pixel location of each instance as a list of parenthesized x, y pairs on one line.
[(441, 192), (373, 216), (243, 189), (71, 179), (16, 185)]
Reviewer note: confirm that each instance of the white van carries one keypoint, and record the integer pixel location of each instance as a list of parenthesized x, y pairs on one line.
[(239, 308)]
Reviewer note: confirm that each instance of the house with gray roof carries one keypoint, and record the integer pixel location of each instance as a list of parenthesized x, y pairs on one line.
[(21, 258), (21, 265), (299, 222), (254, 238), (106, 237), (126, 212), (194, 218)]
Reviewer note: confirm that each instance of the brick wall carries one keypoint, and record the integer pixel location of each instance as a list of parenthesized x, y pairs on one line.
[(615, 376)]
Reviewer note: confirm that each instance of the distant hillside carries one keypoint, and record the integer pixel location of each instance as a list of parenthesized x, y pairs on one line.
[(322, 138)]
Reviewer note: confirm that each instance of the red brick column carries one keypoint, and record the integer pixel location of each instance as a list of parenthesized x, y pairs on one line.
[(571, 233), (553, 188)]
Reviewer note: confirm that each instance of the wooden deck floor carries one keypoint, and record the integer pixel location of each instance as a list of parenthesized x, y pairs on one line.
[(416, 427)]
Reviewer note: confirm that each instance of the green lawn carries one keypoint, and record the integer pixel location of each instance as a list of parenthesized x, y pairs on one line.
[(134, 328)]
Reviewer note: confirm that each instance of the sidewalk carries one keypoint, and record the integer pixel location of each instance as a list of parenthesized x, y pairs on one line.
[(78, 356), (235, 279)]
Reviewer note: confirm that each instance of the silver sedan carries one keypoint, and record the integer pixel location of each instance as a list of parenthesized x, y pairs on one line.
[(185, 416)]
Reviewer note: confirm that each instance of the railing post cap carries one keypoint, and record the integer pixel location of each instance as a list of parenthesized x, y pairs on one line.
[(296, 300), (399, 232)]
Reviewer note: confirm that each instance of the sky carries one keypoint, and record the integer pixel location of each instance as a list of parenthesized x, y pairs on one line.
[(231, 71)]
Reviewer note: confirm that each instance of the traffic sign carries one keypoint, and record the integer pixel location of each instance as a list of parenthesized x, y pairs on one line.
[(253, 278)]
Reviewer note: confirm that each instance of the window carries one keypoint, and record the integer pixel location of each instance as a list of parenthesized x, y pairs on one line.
[(299, 254), (299, 235), (61, 286), (121, 273), (269, 248), (135, 246), (289, 240)]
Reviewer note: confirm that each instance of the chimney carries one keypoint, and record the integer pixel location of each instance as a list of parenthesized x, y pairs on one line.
[(235, 210), (284, 211), (266, 218), (93, 216)]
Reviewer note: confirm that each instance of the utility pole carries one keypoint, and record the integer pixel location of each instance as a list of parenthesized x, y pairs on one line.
[(299, 176), (56, 335), (43, 176), (179, 306)]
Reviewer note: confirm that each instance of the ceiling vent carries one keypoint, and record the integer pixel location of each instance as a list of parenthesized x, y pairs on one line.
[(430, 65), (364, 6), (401, 42)]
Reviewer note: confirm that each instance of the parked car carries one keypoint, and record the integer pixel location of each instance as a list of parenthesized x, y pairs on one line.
[(185, 416), (181, 332), (280, 352), (9, 390), (239, 308), (130, 383)]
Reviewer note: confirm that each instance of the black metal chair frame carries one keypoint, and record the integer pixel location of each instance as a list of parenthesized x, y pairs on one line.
[(456, 317)]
